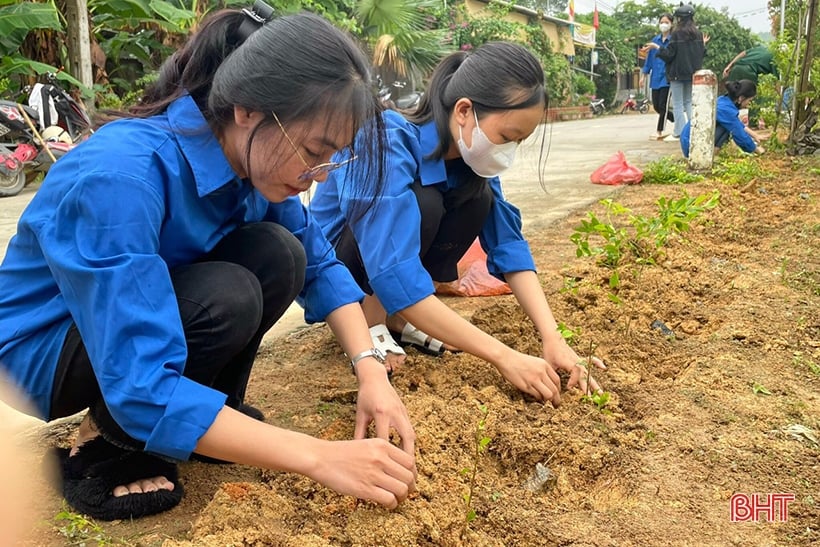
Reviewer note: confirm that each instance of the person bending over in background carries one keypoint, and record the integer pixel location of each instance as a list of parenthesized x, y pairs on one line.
[(727, 121)]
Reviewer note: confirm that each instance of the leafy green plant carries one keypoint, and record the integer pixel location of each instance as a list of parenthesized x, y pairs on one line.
[(81, 531), (599, 399), (481, 440), (667, 170), (568, 334), (736, 170)]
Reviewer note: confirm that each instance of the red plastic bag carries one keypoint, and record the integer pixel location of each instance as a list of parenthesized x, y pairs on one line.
[(616, 171), (473, 277)]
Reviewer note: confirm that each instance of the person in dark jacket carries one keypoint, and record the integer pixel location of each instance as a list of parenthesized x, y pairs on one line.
[(683, 57)]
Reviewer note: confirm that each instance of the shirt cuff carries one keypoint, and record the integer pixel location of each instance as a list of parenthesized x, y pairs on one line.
[(403, 285), (333, 289), (514, 256), (190, 412)]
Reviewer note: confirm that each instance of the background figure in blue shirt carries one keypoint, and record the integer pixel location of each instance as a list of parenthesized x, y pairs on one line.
[(156, 254), (443, 191), (656, 68), (683, 56), (727, 123)]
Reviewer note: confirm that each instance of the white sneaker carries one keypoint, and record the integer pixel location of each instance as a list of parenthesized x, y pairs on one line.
[(671, 138)]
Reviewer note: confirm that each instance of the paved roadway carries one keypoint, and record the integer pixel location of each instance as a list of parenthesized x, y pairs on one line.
[(572, 151)]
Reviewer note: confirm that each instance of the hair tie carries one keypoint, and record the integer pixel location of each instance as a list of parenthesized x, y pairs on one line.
[(253, 19)]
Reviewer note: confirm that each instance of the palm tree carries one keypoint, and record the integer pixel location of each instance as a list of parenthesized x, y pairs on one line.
[(403, 45)]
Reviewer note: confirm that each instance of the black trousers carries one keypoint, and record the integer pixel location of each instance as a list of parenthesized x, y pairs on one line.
[(227, 301), (450, 222), (660, 97)]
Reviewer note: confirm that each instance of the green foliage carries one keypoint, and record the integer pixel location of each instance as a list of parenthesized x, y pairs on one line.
[(568, 334), (600, 400), (79, 530), (667, 170), (736, 170), (758, 389), (480, 443)]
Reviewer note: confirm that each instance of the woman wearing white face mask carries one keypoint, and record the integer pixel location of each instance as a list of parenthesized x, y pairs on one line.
[(655, 67), (442, 192)]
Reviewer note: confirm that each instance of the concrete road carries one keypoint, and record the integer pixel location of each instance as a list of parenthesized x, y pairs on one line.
[(571, 151)]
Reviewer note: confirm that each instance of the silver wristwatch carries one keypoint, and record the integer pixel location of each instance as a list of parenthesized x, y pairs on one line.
[(376, 353)]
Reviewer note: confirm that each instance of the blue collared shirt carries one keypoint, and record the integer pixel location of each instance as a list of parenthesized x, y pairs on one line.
[(95, 246), (654, 65), (389, 235), (726, 116)]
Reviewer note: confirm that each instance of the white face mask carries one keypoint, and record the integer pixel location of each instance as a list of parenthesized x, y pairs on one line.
[(484, 157), (664, 27)]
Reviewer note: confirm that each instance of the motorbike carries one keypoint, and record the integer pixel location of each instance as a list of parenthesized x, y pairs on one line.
[(407, 101), (597, 106), (631, 103), (35, 135)]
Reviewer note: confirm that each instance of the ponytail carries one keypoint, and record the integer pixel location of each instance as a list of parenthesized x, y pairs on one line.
[(496, 76)]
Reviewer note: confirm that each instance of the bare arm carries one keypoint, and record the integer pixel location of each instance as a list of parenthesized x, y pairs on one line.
[(728, 68), (371, 469), (377, 401)]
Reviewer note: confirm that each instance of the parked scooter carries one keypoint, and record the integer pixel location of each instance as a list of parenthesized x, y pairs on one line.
[(34, 136), (394, 99), (597, 106), (631, 103)]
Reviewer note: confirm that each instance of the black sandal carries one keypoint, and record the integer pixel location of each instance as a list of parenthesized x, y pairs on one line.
[(90, 476)]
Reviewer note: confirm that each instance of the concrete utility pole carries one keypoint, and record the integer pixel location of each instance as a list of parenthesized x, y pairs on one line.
[(702, 129), (79, 43)]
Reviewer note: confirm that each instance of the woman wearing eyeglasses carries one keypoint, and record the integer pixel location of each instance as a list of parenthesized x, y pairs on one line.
[(442, 192), (155, 256)]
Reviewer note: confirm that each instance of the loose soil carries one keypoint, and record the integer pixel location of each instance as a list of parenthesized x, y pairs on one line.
[(729, 404)]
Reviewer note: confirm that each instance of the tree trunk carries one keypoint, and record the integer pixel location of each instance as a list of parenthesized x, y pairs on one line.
[(79, 44)]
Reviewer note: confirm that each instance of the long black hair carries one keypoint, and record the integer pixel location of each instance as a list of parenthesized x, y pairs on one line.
[(495, 76), (740, 88), (299, 66)]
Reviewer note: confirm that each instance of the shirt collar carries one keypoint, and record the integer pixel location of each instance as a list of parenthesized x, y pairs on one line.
[(199, 146)]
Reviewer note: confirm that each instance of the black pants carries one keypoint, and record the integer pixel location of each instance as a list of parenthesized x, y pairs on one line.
[(450, 222), (660, 97), (227, 301)]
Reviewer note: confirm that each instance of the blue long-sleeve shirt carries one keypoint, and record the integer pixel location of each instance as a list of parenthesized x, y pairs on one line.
[(95, 246), (389, 234), (726, 116), (654, 65)]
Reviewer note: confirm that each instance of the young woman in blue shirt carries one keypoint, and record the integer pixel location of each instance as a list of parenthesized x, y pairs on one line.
[(727, 121), (442, 191), (656, 68), (156, 254)]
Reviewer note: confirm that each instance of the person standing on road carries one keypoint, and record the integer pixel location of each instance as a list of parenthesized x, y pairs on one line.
[(157, 253), (727, 122), (683, 57), (443, 191), (656, 68)]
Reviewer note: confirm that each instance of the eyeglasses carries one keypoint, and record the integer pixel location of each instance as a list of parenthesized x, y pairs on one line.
[(310, 173)]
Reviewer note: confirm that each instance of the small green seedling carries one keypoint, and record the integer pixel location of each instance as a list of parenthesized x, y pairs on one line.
[(481, 440), (760, 390), (600, 400), (79, 530)]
